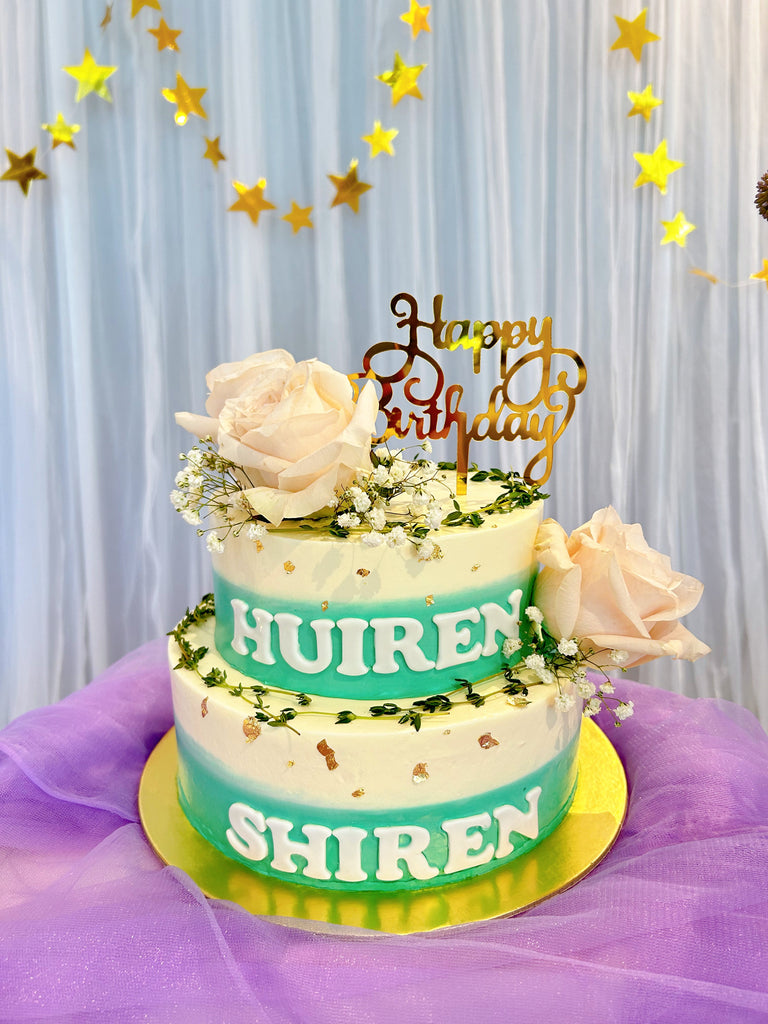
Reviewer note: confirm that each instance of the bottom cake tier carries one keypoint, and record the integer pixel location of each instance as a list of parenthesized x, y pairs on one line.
[(368, 803)]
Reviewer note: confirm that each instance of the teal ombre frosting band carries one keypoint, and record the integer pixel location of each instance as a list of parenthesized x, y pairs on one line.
[(398, 678), (207, 791)]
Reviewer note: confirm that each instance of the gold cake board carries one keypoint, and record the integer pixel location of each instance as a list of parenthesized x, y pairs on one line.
[(576, 846)]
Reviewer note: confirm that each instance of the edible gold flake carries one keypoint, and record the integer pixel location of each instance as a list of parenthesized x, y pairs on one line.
[(289, 566), (204, 706), (487, 741), (329, 755), (420, 773), (446, 732), (359, 792), (324, 606), (290, 764), (430, 600), (251, 728), (475, 567), (363, 572), (518, 700), (259, 545)]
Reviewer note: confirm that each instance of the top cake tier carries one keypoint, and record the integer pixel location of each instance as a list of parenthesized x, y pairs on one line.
[(309, 612)]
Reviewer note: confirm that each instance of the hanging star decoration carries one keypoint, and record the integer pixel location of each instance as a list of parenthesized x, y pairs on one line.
[(61, 132), (299, 217), (107, 17), (643, 102), (416, 17), (633, 35), (165, 36), (137, 5), (402, 80), (380, 139), (761, 275), (22, 170), (761, 196), (186, 99), (677, 230), (348, 188), (251, 200), (656, 167), (212, 151), (91, 77)]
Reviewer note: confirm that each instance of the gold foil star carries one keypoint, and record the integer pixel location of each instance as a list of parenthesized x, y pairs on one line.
[(656, 167), (677, 229), (137, 5), (212, 151), (91, 77), (107, 16), (761, 275), (252, 202), (348, 188), (61, 132), (643, 102), (299, 218), (402, 80), (186, 99), (22, 170), (633, 35), (416, 17), (165, 36), (380, 139)]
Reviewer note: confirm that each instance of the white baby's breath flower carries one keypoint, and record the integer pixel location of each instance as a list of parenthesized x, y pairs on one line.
[(191, 516), (592, 707), (546, 676), (511, 646), (420, 499), (255, 531), (214, 543), (195, 457), (534, 614), (619, 657), (398, 471), (380, 476), (585, 689), (396, 537), (568, 648), (428, 468), (564, 701), (178, 500), (382, 454), (348, 520), (607, 687), (427, 446), (535, 662), (625, 709), (241, 502), (377, 518), (181, 478), (373, 539), (434, 517), (361, 502), (579, 675), (426, 550)]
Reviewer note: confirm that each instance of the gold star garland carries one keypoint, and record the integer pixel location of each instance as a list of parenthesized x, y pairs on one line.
[(91, 77), (657, 166)]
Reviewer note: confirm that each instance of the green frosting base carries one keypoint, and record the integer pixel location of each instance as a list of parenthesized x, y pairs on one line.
[(405, 682), (207, 790)]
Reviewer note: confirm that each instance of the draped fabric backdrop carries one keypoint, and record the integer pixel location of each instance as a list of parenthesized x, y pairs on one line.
[(123, 279)]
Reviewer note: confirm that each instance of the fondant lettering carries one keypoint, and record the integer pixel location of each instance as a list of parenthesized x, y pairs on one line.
[(386, 643), (449, 638), (498, 621), (313, 850), (511, 820), (260, 633), (288, 633), (464, 842), (391, 852), (245, 834)]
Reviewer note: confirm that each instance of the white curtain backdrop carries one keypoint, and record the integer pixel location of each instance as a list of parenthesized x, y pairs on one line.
[(123, 279)]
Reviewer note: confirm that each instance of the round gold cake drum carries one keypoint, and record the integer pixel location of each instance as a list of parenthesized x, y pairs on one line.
[(580, 842)]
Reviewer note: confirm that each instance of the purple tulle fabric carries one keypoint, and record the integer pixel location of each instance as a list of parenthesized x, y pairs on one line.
[(671, 926)]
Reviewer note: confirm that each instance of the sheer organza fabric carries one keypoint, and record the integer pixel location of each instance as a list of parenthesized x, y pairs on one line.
[(671, 926)]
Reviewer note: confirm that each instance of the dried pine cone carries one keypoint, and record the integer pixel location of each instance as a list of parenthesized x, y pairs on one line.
[(761, 196)]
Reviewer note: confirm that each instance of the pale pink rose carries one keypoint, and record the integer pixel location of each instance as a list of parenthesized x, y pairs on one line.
[(293, 427), (605, 584)]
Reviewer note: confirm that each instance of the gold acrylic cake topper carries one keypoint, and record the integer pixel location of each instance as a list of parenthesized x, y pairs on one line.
[(542, 418)]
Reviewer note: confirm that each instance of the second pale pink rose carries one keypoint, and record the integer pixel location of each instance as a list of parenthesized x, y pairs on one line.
[(606, 585)]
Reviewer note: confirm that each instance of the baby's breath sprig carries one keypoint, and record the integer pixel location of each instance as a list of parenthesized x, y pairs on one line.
[(564, 663)]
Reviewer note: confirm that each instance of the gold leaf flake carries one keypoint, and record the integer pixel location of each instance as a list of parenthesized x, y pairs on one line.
[(324, 606), (204, 707), (260, 546), (251, 728), (487, 741), (329, 755), (359, 792), (475, 567), (430, 600), (518, 700), (446, 732), (289, 566), (420, 773), (363, 572), (290, 764)]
